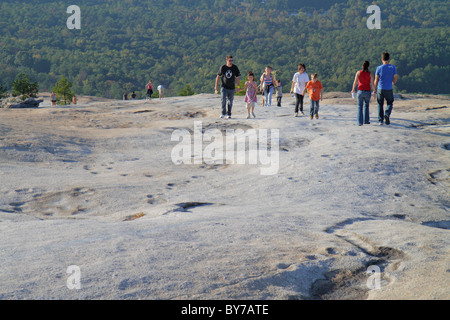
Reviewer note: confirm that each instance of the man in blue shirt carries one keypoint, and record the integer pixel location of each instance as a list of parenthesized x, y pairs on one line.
[(385, 78)]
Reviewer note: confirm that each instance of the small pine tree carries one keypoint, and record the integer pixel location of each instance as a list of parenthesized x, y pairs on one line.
[(63, 90), (187, 91), (24, 88)]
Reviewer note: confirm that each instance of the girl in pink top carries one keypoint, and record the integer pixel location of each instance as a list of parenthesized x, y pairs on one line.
[(250, 94)]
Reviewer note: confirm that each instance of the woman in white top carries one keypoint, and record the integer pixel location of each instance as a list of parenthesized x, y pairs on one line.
[(299, 82)]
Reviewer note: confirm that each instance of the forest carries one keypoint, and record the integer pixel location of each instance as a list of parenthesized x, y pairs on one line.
[(123, 44)]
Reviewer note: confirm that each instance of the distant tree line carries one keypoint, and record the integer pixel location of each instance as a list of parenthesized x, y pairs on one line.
[(182, 43)]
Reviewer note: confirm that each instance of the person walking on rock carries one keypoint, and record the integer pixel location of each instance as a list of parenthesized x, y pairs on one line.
[(250, 95), (228, 74), (363, 83), (315, 90), (149, 87), (385, 78), (299, 82), (267, 85)]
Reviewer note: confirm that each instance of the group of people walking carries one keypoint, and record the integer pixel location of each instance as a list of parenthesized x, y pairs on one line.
[(229, 75), (365, 83), (382, 85), (149, 87)]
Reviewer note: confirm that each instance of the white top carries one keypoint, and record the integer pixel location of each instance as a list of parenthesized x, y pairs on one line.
[(300, 79)]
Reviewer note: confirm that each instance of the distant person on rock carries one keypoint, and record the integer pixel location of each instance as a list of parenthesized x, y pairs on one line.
[(299, 82), (133, 96), (363, 84), (161, 91), (228, 74), (125, 96), (53, 98), (74, 99), (385, 78), (149, 87)]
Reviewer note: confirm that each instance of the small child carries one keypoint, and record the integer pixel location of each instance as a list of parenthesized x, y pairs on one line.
[(315, 90), (279, 92), (250, 94)]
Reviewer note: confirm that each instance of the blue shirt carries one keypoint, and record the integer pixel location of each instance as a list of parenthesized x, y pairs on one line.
[(386, 73)]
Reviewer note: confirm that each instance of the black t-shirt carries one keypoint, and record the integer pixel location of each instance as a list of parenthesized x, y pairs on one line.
[(228, 76)]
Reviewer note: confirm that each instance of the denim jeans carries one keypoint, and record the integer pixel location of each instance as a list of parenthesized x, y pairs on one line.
[(268, 95), (314, 108), (389, 96), (363, 107), (227, 100)]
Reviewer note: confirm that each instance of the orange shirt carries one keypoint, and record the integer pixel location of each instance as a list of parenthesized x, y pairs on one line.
[(314, 89)]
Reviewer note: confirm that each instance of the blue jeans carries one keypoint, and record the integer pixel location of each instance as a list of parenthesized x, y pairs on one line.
[(227, 100), (363, 107), (389, 96), (268, 95), (314, 108)]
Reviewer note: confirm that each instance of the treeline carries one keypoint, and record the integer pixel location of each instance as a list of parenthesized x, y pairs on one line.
[(122, 44)]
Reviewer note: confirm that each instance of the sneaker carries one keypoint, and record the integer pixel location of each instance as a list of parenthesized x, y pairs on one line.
[(222, 116), (317, 116), (386, 119), (296, 114), (228, 117), (248, 116), (310, 117), (380, 123), (253, 114), (301, 112)]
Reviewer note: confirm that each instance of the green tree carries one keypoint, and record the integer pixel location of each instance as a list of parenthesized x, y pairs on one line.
[(63, 90), (182, 46), (2, 91), (23, 87), (187, 91), (24, 59)]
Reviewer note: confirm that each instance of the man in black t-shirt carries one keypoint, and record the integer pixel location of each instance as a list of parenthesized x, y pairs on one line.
[(228, 74)]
